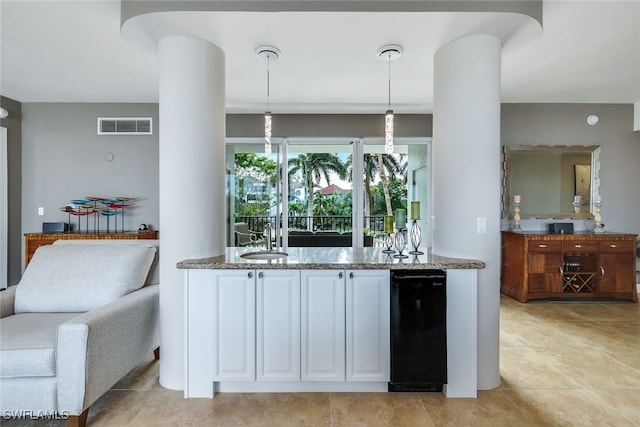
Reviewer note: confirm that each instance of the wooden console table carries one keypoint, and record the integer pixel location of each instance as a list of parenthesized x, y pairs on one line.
[(34, 240), (559, 266)]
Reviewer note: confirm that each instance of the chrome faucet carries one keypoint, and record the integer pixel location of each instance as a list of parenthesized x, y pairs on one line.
[(267, 232)]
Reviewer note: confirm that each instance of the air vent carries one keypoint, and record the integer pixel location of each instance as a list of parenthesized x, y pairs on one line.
[(125, 126)]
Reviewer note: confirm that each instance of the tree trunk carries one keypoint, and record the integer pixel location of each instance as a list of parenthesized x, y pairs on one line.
[(369, 205), (385, 184), (310, 206)]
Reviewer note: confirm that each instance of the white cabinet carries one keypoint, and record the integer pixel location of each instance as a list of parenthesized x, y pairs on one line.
[(323, 325), (286, 330), (367, 325), (278, 325), (220, 329)]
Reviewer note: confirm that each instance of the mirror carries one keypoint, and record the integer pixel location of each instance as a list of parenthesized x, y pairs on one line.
[(548, 177)]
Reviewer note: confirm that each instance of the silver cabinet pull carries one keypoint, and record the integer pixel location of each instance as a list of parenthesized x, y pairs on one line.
[(543, 246), (577, 246), (613, 245), (250, 274), (561, 271), (261, 274), (601, 271), (340, 275), (351, 275)]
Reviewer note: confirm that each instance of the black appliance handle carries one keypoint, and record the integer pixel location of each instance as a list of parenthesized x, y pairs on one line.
[(418, 276)]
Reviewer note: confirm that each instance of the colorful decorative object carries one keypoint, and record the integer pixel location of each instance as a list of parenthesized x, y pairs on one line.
[(100, 206)]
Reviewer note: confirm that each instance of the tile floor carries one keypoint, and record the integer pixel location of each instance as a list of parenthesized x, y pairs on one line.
[(561, 363)]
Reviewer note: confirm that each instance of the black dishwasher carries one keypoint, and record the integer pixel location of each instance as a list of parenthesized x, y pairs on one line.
[(418, 330)]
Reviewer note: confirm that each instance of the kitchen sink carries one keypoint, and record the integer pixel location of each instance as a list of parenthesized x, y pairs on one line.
[(265, 255)]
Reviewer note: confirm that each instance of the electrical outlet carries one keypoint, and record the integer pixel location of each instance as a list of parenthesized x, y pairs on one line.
[(41, 211)]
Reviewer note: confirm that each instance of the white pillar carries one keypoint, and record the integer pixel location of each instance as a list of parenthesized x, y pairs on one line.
[(466, 176), (192, 179)]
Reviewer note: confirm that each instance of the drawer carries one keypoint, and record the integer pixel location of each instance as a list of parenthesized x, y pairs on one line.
[(580, 246), (545, 246), (616, 246)]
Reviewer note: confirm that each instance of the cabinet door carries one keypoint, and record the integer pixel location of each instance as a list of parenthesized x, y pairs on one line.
[(323, 325), (367, 321), (544, 263), (278, 323), (544, 272), (617, 273), (220, 328), (233, 317)]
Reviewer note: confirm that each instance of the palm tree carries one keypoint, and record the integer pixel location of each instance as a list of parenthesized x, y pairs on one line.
[(312, 167), (388, 167)]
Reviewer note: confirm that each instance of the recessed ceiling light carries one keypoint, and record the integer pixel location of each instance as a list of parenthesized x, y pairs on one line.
[(592, 119)]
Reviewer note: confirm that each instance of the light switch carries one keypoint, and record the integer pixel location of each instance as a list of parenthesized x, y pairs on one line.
[(482, 225), (41, 211)]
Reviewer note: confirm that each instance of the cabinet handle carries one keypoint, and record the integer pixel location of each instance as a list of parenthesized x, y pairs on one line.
[(561, 271), (601, 271), (261, 274), (340, 275), (351, 275), (577, 246), (250, 274), (543, 246), (613, 245)]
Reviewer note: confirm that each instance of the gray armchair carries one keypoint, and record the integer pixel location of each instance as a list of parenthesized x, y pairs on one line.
[(83, 315)]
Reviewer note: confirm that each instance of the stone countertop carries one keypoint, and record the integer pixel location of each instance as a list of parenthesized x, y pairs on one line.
[(330, 258)]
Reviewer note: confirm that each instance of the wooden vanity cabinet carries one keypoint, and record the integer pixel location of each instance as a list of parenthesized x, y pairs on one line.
[(556, 266)]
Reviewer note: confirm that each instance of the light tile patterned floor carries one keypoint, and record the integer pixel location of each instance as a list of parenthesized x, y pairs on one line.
[(561, 363)]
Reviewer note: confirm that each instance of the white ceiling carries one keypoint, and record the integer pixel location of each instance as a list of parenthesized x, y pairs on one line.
[(72, 51)]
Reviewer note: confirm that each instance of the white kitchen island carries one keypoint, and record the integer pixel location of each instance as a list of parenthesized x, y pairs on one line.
[(316, 320)]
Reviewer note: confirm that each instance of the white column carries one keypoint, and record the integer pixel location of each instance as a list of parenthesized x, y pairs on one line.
[(192, 181), (466, 176)]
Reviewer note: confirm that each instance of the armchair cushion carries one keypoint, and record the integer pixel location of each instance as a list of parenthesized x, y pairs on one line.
[(69, 278), (28, 344), (154, 273)]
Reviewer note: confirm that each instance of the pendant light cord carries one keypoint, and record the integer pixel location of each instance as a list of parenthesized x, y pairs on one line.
[(389, 80), (268, 79)]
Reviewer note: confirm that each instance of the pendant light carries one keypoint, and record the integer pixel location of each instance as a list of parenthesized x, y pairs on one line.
[(267, 53), (389, 53)]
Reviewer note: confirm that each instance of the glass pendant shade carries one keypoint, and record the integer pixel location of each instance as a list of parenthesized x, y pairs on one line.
[(267, 132), (388, 132)]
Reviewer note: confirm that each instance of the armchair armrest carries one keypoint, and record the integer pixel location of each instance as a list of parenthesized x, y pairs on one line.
[(97, 348), (7, 299)]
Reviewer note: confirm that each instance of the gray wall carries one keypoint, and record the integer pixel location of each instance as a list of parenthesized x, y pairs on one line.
[(566, 124), (63, 159), (328, 125), (14, 172)]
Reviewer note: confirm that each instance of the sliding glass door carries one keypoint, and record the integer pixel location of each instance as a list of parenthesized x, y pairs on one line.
[(314, 187)]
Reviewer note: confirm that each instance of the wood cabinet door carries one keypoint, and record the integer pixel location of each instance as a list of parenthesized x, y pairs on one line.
[(545, 274), (278, 325), (617, 273), (368, 329), (322, 314)]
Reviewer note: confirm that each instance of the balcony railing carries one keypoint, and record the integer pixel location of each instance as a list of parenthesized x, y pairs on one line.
[(339, 223)]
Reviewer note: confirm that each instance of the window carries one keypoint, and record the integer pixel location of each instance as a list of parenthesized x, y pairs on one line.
[(317, 177)]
